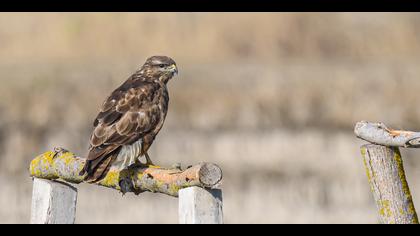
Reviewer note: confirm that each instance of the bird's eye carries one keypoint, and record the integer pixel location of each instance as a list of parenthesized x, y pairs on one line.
[(161, 65)]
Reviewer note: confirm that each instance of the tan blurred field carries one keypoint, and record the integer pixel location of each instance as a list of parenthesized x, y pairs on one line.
[(270, 97)]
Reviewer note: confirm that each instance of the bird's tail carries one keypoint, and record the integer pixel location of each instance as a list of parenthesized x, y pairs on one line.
[(96, 169), (100, 171)]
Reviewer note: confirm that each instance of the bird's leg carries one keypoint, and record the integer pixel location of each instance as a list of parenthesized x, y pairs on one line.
[(148, 160), (147, 142), (138, 163)]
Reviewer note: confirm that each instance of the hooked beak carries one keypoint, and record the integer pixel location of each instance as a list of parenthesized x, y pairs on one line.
[(173, 69)]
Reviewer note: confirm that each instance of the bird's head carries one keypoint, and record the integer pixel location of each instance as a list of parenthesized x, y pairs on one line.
[(161, 67)]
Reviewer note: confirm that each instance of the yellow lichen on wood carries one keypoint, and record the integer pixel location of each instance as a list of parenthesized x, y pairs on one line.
[(411, 209), (363, 151), (57, 165), (384, 210), (43, 166), (111, 180), (64, 165)]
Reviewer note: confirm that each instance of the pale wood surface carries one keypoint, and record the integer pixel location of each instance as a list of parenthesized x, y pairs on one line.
[(53, 202), (378, 133), (385, 172), (200, 206)]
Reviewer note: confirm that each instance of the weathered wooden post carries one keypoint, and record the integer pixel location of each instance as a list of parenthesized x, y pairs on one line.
[(385, 171), (200, 206), (53, 202)]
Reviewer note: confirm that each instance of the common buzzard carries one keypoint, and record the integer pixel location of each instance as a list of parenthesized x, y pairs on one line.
[(129, 119)]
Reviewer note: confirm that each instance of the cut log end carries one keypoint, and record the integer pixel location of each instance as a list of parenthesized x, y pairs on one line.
[(210, 174)]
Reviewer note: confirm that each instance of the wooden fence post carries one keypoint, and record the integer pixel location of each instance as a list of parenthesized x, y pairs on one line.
[(53, 202), (385, 172), (200, 206)]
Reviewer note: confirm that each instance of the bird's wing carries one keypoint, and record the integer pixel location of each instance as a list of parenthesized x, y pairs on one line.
[(126, 115)]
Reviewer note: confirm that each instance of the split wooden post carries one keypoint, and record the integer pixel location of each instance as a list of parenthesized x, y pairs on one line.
[(200, 206), (53, 202), (385, 172)]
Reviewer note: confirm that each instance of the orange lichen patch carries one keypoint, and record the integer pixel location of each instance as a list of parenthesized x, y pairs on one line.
[(395, 133), (171, 176)]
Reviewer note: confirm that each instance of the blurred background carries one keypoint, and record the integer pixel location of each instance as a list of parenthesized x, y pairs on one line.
[(271, 98)]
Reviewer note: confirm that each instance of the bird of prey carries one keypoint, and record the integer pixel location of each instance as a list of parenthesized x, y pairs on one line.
[(129, 119)]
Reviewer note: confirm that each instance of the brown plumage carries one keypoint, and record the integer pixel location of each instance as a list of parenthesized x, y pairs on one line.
[(130, 118)]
